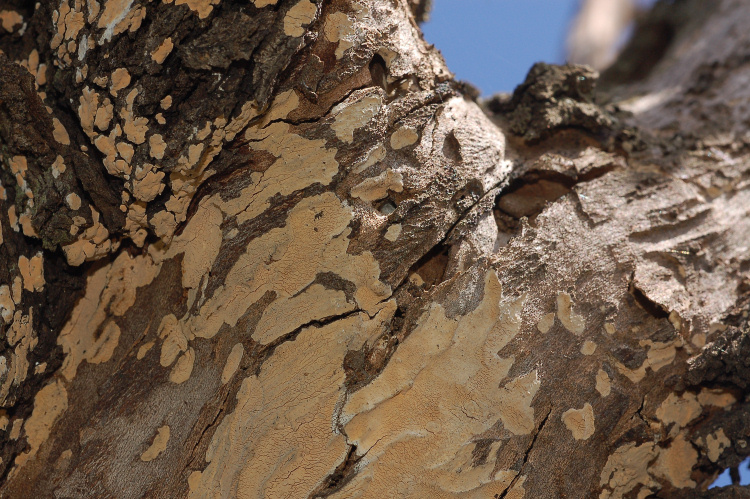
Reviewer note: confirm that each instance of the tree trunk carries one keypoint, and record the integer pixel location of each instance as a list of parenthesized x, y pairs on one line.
[(271, 248)]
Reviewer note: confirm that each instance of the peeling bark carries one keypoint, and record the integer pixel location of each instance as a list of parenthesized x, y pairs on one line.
[(273, 249)]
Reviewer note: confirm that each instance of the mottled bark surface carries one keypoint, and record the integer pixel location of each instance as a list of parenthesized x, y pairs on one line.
[(271, 248)]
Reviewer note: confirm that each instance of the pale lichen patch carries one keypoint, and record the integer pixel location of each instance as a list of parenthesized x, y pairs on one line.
[(279, 439), (162, 51), (183, 368), (375, 188), (134, 127), (158, 445), (517, 491), (233, 363), (7, 305), (201, 7), (110, 291), (572, 321), (125, 150), (299, 16), (438, 391), (679, 409), (660, 354), (114, 12), (200, 243), (301, 162), (157, 146), (716, 443), (286, 314), (349, 116), (676, 462), (609, 328), (403, 137), (166, 102), (91, 244), (516, 412), (60, 133), (120, 80), (603, 383), (143, 350), (716, 397), (88, 102), (546, 322), (105, 345), (147, 183), (9, 19), (49, 404), (316, 232), (393, 232), (338, 28), (588, 347), (627, 468), (15, 429), (104, 115), (32, 271), (373, 156), (580, 422), (73, 201), (175, 340)]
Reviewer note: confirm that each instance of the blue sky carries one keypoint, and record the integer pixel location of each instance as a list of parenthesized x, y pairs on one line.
[(493, 43)]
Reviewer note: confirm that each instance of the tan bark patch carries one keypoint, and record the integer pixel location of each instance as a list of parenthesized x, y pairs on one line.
[(73, 201), (438, 391)]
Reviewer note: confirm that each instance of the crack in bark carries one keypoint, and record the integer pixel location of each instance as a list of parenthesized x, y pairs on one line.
[(268, 349), (526, 454), (221, 409), (341, 475)]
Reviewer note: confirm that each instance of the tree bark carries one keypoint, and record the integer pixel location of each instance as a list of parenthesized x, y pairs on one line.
[(272, 248)]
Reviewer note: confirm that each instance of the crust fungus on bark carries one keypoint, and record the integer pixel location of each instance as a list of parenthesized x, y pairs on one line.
[(271, 248)]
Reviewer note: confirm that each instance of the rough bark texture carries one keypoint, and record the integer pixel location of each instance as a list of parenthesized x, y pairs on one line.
[(271, 248)]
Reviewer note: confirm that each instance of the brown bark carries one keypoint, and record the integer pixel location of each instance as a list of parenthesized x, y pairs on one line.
[(271, 248)]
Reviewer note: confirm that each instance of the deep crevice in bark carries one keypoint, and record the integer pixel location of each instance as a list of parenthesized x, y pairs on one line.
[(342, 475)]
